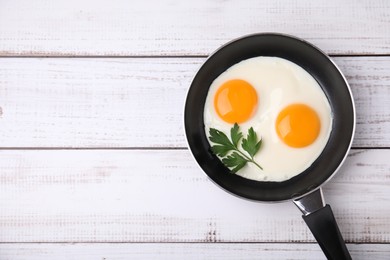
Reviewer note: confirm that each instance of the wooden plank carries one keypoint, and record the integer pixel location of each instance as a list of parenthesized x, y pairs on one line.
[(172, 27), (162, 196), (139, 102), (212, 251)]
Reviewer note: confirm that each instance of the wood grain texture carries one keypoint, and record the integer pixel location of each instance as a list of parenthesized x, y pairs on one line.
[(210, 251), (173, 27), (162, 196), (139, 102)]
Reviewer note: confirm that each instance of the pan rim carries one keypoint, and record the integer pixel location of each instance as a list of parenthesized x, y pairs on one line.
[(348, 148)]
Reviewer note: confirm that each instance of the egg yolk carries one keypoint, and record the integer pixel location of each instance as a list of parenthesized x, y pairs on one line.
[(298, 125), (235, 101)]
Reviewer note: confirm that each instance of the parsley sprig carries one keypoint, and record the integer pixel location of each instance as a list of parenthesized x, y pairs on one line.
[(229, 150)]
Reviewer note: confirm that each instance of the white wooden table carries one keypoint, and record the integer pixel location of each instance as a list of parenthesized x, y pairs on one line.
[(93, 159)]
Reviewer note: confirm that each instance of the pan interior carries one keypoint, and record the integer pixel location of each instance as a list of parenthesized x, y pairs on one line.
[(314, 62)]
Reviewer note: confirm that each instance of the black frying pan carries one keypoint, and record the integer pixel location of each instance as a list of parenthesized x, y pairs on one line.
[(304, 189)]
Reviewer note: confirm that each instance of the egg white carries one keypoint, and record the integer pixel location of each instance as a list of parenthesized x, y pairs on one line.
[(278, 83)]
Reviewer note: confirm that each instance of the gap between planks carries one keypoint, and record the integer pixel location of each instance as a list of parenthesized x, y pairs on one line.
[(137, 148), (159, 56), (187, 243)]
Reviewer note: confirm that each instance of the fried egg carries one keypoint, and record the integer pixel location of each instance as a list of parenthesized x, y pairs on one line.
[(286, 108)]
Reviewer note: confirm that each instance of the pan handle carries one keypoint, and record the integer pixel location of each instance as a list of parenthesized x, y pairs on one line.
[(321, 222)]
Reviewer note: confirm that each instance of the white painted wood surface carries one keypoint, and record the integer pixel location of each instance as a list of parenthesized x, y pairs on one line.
[(162, 196), (146, 198), (206, 251), (101, 102), (174, 27)]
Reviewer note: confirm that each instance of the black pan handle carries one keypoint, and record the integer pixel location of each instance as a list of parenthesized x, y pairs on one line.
[(321, 222), (325, 230)]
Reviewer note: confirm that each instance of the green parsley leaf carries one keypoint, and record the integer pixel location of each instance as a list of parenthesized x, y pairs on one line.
[(234, 160), (237, 159), (221, 150), (219, 137), (250, 144), (235, 134)]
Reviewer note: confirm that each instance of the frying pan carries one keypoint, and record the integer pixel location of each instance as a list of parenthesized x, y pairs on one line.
[(304, 189)]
